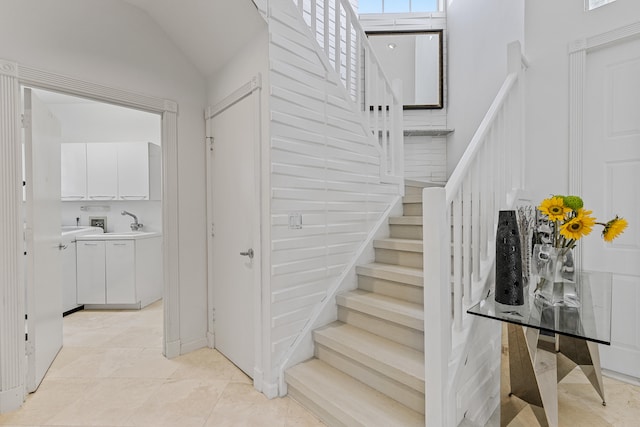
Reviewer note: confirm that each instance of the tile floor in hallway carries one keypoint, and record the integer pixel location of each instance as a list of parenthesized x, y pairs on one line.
[(111, 372)]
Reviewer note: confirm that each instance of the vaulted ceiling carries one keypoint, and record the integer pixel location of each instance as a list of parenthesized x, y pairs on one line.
[(208, 32)]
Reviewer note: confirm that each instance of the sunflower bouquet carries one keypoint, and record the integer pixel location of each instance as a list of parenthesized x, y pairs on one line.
[(569, 221), (561, 221)]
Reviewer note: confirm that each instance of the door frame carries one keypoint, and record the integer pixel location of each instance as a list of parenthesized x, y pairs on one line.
[(12, 76), (258, 300)]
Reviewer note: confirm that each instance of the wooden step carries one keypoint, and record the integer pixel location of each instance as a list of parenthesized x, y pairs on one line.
[(406, 252), (405, 283), (406, 227), (341, 400), (412, 205), (391, 368), (391, 318)]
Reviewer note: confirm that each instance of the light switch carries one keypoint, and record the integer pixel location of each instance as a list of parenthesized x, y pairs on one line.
[(295, 220)]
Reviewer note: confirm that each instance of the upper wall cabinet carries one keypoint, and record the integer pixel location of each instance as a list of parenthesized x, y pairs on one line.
[(102, 171), (111, 171), (74, 171)]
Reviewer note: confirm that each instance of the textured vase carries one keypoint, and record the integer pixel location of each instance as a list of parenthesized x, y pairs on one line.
[(509, 283), (556, 277)]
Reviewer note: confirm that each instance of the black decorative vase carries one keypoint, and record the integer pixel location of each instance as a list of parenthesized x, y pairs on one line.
[(509, 283)]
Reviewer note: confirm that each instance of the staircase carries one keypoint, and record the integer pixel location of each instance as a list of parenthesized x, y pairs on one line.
[(368, 368)]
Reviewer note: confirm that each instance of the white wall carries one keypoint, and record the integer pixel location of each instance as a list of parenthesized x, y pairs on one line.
[(478, 34), (548, 36), (115, 44), (99, 122)]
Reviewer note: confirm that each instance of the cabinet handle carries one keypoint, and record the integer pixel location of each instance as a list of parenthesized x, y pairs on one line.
[(119, 244), (133, 197), (90, 244), (102, 197), (73, 197)]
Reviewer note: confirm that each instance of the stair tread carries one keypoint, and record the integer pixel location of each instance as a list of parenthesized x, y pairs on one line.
[(384, 307), (344, 396), (408, 275), (409, 245), (412, 198), (394, 360), (405, 220)]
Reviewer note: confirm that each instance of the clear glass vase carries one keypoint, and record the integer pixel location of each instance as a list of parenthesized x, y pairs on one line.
[(555, 276)]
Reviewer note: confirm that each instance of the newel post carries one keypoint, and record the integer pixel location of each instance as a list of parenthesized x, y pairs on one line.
[(437, 308)]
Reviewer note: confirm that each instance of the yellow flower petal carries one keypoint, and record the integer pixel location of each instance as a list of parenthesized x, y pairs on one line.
[(579, 226), (614, 228), (554, 208)]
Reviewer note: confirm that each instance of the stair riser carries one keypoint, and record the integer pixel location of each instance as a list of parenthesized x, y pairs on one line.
[(412, 209), (406, 231), (412, 191), (309, 403), (391, 256), (398, 290), (385, 385), (398, 333)]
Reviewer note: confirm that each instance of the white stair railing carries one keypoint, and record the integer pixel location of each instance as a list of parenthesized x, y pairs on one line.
[(459, 233), (339, 34)]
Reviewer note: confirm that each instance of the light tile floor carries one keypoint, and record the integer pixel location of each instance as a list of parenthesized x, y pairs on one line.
[(111, 372)]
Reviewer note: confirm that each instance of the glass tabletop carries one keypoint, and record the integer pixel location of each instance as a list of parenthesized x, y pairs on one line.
[(590, 321)]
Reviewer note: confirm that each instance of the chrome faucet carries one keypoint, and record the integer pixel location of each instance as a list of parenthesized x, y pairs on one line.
[(135, 225)]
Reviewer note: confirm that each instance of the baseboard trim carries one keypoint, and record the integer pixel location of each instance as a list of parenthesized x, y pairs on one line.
[(172, 349), (193, 345), (211, 340), (11, 399)]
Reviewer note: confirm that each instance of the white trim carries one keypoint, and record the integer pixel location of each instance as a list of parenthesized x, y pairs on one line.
[(261, 347), (168, 109), (172, 349), (11, 399), (237, 95), (193, 345)]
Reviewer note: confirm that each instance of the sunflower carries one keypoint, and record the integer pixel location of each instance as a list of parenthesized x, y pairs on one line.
[(554, 208), (614, 228), (578, 226)]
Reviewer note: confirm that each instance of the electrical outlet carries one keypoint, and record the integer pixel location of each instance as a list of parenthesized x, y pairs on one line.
[(99, 221)]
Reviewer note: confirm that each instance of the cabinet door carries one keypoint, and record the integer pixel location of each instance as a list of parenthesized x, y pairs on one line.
[(133, 171), (120, 264), (73, 162), (102, 171), (69, 278), (91, 272)]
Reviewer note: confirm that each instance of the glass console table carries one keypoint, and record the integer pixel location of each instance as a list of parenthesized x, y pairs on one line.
[(545, 343)]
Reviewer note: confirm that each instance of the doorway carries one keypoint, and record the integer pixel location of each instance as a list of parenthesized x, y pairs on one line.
[(92, 193), (233, 212)]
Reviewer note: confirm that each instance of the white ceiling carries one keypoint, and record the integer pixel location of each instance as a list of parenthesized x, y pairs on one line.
[(208, 32)]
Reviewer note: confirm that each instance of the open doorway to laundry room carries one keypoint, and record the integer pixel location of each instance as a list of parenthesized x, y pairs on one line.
[(92, 173)]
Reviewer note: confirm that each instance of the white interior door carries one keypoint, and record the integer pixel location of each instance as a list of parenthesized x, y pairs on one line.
[(233, 208), (43, 238), (611, 186)]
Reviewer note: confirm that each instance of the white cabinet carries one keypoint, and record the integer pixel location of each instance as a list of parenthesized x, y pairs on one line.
[(90, 267), (111, 171), (102, 171), (73, 162), (119, 272)]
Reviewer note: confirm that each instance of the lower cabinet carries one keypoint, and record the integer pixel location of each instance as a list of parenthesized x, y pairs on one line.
[(118, 272)]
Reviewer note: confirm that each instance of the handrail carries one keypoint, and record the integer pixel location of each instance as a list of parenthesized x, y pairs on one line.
[(337, 31), (460, 262)]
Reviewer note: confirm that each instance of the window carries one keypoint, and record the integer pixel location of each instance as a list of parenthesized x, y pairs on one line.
[(592, 4), (397, 6)]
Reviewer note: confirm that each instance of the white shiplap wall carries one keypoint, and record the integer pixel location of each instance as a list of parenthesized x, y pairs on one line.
[(325, 166), (425, 158)]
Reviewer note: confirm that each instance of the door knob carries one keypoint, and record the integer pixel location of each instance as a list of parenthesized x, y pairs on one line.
[(62, 247), (248, 253)]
